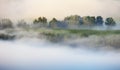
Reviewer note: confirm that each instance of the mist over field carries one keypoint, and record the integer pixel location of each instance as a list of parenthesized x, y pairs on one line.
[(59, 35), (36, 55), (75, 43), (51, 49)]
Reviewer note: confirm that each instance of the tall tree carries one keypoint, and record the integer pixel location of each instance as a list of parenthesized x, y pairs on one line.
[(40, 19), (53, 23), (73, 21), (40, 22), (99, 20), (35, 21), (88, 20), (92, 18), (44, 20), (110, 21)]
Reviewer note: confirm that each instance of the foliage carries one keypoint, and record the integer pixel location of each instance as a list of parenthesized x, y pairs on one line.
[(40, 22), (110, 22), (99, 20), (6, 23), (53, 23), (73, 20), (88, 20)]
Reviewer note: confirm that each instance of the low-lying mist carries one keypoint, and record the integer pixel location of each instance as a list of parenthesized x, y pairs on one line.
[(89, 39), (56, 49), (39, 54)]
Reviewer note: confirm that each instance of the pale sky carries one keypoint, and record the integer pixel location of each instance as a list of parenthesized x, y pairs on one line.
[(18, 9)]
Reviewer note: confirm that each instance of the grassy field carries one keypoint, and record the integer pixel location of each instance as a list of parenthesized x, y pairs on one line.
[(68, 32), (81, 33)]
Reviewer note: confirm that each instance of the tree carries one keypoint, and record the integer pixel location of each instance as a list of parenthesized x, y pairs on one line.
[(35, 21), (88, 20), (73, 21), (53, 23), (92, 19), (40, 19), (40, 22), (6, 23), (99, 20), (44, 20), (110, 21)]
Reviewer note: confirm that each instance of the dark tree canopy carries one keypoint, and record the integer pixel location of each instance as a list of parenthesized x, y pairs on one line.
[(44, 20), (75, 21), (53, 23), (54, 20), (40, 22), (40, 19), (99, 20), (93, 19), (88, 20), (110, 21)]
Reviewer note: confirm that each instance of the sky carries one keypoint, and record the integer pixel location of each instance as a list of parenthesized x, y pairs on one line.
[(29, 9)]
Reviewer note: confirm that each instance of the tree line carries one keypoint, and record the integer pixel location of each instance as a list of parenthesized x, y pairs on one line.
[(69, 21), (75, 20)]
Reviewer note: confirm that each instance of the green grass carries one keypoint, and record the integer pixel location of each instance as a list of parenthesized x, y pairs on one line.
[(85, 33), (59, 34), (94, 32)]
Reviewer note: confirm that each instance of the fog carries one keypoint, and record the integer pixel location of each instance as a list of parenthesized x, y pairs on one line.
[(30, 48), (31, 53)]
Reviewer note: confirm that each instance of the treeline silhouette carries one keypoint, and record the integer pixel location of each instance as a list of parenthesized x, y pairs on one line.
[(68, 22)]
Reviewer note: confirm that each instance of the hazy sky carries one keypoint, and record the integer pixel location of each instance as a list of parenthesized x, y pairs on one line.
[(58, 8)]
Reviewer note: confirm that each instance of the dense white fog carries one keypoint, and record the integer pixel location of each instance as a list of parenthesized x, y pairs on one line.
[(38, 54), (30, 41)]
